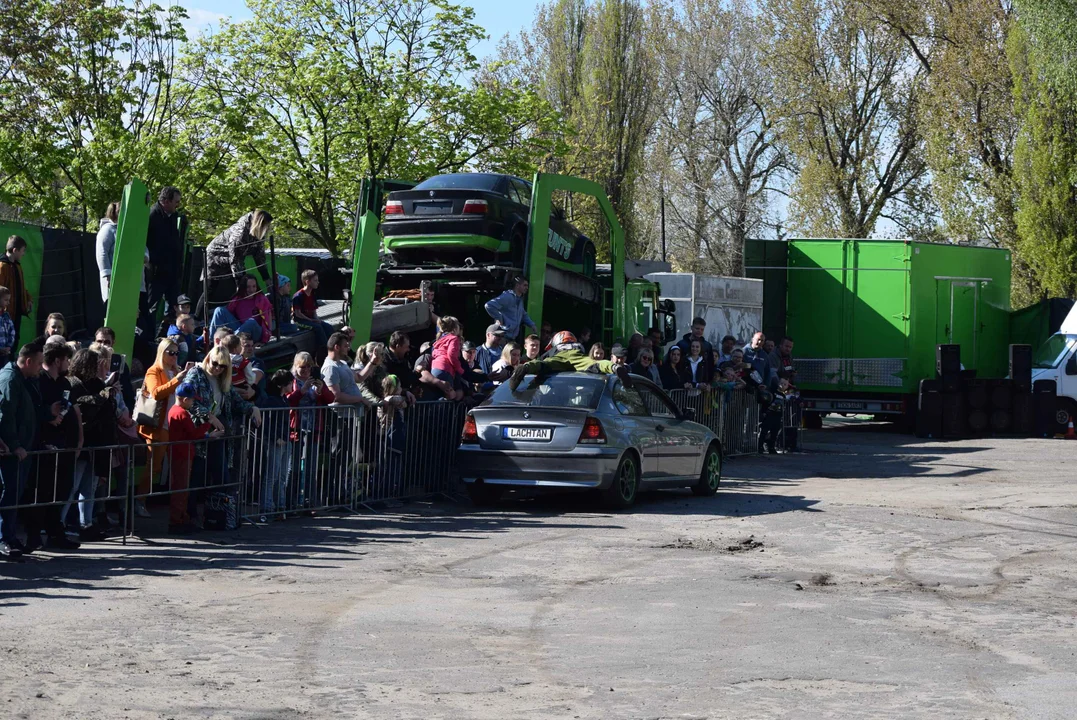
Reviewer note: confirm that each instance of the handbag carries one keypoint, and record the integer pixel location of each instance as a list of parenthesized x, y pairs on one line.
[(145, 410)]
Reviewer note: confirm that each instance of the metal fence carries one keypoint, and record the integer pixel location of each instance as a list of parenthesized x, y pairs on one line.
[(346, 457), (734, 416)]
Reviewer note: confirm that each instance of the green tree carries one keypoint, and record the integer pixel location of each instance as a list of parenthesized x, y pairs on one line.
[(86, 102), (848, 87), (310, 96), (596, 63), (1043, 52)]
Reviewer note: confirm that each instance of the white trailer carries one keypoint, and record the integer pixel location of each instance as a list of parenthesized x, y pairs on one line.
[(730, 305)]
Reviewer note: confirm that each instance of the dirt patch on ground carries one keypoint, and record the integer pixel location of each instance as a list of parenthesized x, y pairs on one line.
[(713, 545)]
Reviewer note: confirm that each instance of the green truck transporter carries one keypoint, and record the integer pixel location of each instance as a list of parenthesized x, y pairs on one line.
[(866, 316)]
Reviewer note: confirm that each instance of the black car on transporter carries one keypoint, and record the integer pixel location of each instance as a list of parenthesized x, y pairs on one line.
[(483, 216)]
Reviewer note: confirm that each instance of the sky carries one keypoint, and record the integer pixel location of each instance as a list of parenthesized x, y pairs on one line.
[(497, 16)]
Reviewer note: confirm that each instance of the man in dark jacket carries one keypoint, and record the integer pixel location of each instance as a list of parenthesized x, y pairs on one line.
[(707, 350), (760, 361), (54, 473), (18, 421), (165, 246)]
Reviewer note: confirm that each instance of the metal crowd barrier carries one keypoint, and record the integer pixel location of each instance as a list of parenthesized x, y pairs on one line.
[(344, 457), (732, 415)]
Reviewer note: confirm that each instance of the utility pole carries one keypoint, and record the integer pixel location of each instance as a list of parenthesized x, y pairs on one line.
[(662, 210)]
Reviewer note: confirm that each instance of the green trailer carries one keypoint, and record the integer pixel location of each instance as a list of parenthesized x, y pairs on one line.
[(866, 316)]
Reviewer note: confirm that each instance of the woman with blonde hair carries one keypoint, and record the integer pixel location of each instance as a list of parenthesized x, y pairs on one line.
[(227, 253), (218, 403), (162, 379), (510, 358)]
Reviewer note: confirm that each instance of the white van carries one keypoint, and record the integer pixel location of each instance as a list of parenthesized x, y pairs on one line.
[(1056, 360)]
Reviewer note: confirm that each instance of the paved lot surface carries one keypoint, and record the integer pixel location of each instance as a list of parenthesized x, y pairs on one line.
[(879, 576)]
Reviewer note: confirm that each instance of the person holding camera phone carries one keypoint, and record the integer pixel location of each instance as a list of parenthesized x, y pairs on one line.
[(162, 379), (306, 425)]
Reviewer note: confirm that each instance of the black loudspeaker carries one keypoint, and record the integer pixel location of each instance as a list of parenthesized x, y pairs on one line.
[(1024, 414), (1045, 400), (948, 366), (1002, 394), (954, 415), (929, 412), (1021, 367), (978, 394)]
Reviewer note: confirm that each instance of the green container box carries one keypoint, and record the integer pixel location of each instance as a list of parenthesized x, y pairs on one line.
[(866, 315)]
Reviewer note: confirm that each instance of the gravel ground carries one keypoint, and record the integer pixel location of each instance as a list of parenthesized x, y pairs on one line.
[(876, 576)]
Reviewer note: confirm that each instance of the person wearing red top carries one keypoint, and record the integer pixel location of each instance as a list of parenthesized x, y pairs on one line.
[(249, 311), (183, 434), (445, 360)]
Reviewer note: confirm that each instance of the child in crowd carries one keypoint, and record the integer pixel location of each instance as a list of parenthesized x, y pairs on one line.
[(183, 433), (282, 307), (391, 446), (445, 361), (771, 416), (244, 377), (275, 450), (191, 349), (305, 311), (7, 327)]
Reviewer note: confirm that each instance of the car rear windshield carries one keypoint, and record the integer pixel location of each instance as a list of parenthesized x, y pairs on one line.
[(555, 391), (461, 181)]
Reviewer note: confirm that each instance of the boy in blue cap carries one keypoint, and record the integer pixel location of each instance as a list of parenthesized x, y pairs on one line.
[(182, 435), (282, 307)]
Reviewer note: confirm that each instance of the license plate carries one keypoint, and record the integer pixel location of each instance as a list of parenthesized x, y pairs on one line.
[(847, 405), (433, 208), (527, 433)]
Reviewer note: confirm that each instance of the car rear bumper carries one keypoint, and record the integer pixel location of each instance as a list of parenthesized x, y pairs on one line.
[(582, 467)]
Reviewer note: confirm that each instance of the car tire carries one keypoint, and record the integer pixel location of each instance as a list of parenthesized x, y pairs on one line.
[(711, 475), (483, 495), (518, 249), (622, 491)]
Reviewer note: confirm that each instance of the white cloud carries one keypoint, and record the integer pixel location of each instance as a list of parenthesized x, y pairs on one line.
[(199, 20)]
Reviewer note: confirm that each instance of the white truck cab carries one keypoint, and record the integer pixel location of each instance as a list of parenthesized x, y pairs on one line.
[(1056, 360)]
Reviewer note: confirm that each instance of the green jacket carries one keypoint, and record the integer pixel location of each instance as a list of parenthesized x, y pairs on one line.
[(567, 361), (18, 419)]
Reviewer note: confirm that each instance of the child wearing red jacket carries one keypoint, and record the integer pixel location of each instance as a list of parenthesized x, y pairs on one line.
[(182, 435)]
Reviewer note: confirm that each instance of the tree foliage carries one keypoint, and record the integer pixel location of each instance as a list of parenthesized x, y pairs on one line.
[(86, 103), (1043, 52)]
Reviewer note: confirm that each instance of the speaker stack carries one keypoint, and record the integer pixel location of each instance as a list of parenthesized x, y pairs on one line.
[(1045, 399), (948, 376), (929, 411), (1023, 413), (948, 367)]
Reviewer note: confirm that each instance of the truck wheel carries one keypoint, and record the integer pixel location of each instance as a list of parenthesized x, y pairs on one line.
[(518, 249), (813, 420)]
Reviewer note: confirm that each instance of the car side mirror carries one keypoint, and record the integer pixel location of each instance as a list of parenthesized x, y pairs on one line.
[(1071, 365), (688, 414)]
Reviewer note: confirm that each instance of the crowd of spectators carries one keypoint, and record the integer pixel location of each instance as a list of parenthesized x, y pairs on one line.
[(72, 416)]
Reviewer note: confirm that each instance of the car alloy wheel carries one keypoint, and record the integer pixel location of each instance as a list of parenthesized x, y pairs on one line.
[(711, 476), (622, 491)]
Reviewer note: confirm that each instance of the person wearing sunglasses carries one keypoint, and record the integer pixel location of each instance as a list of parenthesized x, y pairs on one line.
[(218, 403), (162, 379)]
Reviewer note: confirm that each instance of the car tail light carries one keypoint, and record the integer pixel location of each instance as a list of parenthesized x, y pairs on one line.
[(475, 207), (471, 430), (394, 207), (592, 433)]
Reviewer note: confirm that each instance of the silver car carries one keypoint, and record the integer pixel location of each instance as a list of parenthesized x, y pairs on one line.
[(582, 430)]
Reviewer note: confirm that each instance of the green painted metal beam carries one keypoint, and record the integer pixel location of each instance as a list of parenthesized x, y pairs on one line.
[(364, 277), (538, 232), (127, 264)]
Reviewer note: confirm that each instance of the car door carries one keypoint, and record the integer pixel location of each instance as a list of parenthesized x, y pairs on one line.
[(680, 442), (639, 426)]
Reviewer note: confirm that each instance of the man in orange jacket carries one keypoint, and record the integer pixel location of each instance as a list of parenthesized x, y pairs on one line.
[(11, 277)]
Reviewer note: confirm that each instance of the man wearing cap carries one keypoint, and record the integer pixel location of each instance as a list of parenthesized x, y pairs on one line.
[(282, 307), (619, 355), (490, 351), (568, 357), (507, 309)]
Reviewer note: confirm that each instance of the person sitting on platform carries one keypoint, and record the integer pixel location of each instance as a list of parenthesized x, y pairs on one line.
[(248, 312)]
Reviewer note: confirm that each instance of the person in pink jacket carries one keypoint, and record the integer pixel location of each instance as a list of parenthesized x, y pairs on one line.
[(249, 311), (445, 361)]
